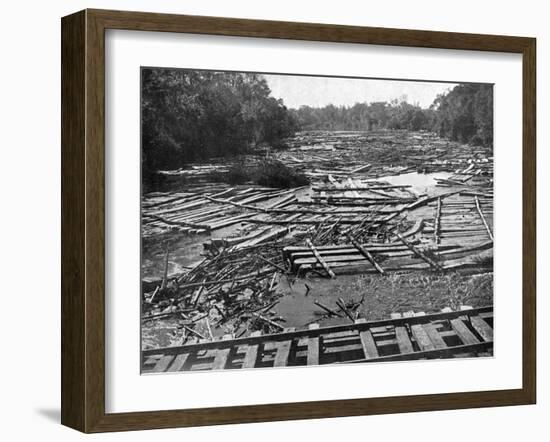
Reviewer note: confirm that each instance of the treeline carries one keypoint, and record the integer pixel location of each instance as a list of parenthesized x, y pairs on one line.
[(464, 114), (193, 115), (365, 116)]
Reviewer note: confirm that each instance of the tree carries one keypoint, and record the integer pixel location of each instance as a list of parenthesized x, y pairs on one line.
[(364, 116), (465, 114), (191, 115)]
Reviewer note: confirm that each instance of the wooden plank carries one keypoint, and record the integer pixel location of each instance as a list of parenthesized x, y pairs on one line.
[(422, 338), (264, 237), (466, 229), (163, 363), (178, 363), (343, 249), (445, 352), (177, 223), (417, 252), (434, 336), (480, 212), (367, 199), (437, 226), (331, 260), (482, 328), (149, 363), (305, 334), (366, 254), (320, 259), (283, 351), (220, 359), (251, 352), (313, 349), (367, 341), (403, 340), (281, 202), (463, 332)]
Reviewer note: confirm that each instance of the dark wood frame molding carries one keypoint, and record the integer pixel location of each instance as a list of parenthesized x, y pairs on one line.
[(83, 216)]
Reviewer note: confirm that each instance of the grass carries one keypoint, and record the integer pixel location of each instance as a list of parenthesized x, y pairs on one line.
[(428, 292), (268, 172)]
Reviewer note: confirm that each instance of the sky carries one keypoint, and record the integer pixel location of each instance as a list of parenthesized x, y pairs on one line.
[(298, 91)]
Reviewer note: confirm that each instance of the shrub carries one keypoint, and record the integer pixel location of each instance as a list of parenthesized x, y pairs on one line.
[(237, 174), (269, 173), (273, 173)]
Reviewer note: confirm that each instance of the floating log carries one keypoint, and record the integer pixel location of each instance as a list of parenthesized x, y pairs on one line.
[(190, 330), (359, 188), (268, 321), (197, 202), (264, 237), (277, 266), (361, 168), (327, 309), (320, 259), (225, 281), (177, 223), (478, 207), (300, 221), (364, 199), (366, 254), (165, 273), (284, 201), (154, 294), (340, 303), (226, 222), (420, 254), (437, 226), (169, 201)]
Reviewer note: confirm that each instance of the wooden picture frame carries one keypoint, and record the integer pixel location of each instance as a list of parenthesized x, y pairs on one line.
[(83, 220)]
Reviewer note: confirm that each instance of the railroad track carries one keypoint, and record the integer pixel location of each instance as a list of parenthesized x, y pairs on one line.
[(462, 333)]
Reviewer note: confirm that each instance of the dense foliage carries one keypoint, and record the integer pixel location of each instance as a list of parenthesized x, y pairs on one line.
[(463, 114), (190, 115), (194, 115), (365, 116), (267, 172)]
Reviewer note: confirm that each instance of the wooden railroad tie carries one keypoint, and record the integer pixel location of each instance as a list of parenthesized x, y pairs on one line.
[(407, 336)]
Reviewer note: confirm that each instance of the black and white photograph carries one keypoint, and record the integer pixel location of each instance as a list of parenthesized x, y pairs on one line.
[(251, 221), (297, 220)]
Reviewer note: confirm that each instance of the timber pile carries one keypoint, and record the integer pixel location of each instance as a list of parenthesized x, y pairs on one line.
[(348, 221), (466, 332), (381, 153), (465, 218), (206, 211), (458, 236), (234, 289), (391, 257)]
